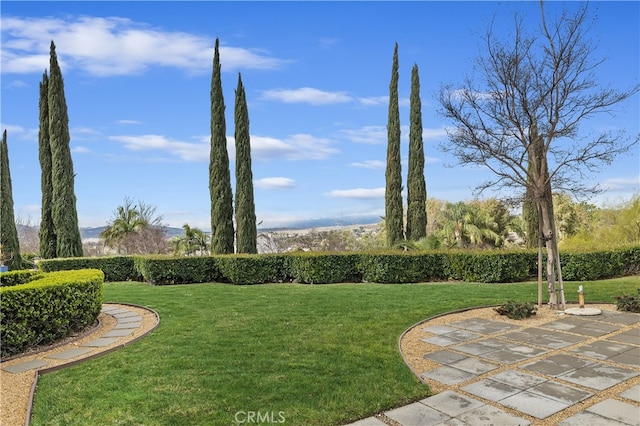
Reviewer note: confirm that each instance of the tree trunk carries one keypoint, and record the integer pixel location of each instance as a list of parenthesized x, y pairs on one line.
[(545, 211)]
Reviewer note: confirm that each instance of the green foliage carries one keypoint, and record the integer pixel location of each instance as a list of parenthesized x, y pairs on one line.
[(46, 234), (628, 302), (222, 235), (162, 270), (64, 213), (49, 308), (489, 267), (609, 226), (194, 242), (11, 278), (516, 310), (416, 186), (135, 229), (393, 174), (9, 244), (593, 265), (408, 266), (324, 268), (252, 269), (246, 232), (115, 268), (477, 224), (403, 267)]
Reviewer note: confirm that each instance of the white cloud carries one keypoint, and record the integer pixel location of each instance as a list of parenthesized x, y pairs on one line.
[(128, 122), (115, 46), (19, 132), (369, 134), (186, 151), (618, 184), (357, 193), (369, 164), (438, 133), (10, 128), (374, 100), (274, 183), (17, 84), (80, 150), (307, 95), (294, 147), (327, 42)]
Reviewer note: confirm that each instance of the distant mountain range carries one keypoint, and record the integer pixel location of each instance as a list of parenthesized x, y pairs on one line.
[(91, 233)]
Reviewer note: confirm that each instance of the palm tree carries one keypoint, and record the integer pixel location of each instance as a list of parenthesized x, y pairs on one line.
[(126, 223), (464, 225), (194, 242)]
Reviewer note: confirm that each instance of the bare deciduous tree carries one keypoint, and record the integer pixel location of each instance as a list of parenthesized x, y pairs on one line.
[(522, 119)]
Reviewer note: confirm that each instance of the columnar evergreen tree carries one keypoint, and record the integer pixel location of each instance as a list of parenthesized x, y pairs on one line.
[(246, 232), (9, 244), (393, 174), (63, 211), (47, 233), (222, 234), (416, 186)]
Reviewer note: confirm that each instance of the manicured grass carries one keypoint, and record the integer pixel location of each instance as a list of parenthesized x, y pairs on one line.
[(313, 354)]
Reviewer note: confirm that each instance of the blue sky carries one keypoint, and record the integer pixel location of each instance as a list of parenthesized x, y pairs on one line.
[(316, 75)]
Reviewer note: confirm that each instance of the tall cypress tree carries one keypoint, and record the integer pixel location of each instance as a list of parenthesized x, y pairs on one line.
[(393, 174), (222, 234), (47, 233), (246, 232), (10, 254), (416, 186), (63, 202)]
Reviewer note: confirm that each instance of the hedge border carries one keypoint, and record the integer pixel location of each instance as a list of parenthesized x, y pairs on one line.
[(380, 267)]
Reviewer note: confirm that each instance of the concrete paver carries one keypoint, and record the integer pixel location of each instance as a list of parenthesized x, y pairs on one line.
[(616, 410), (417, 414), (452, 403), (585, 418), (491, 390), (534, 404), (69, 353), (127, 320), (602, 349), (26, 366), (560, 392), (123, 325), (557, 365), (448, 375), (369, 421), (599, 376), (488, 415), (632, 393), (100, 342)]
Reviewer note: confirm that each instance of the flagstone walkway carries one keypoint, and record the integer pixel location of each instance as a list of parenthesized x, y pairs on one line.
[(496, 373)]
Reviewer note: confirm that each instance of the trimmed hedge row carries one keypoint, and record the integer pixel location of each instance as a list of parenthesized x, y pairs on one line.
[(11, 278), (115, 268), (49, 308), (380, 267)]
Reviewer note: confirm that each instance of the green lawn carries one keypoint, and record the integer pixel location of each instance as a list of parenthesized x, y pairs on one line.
[(308, 354)]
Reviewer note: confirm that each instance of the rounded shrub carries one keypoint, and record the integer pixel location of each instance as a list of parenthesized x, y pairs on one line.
[(48, 309)]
